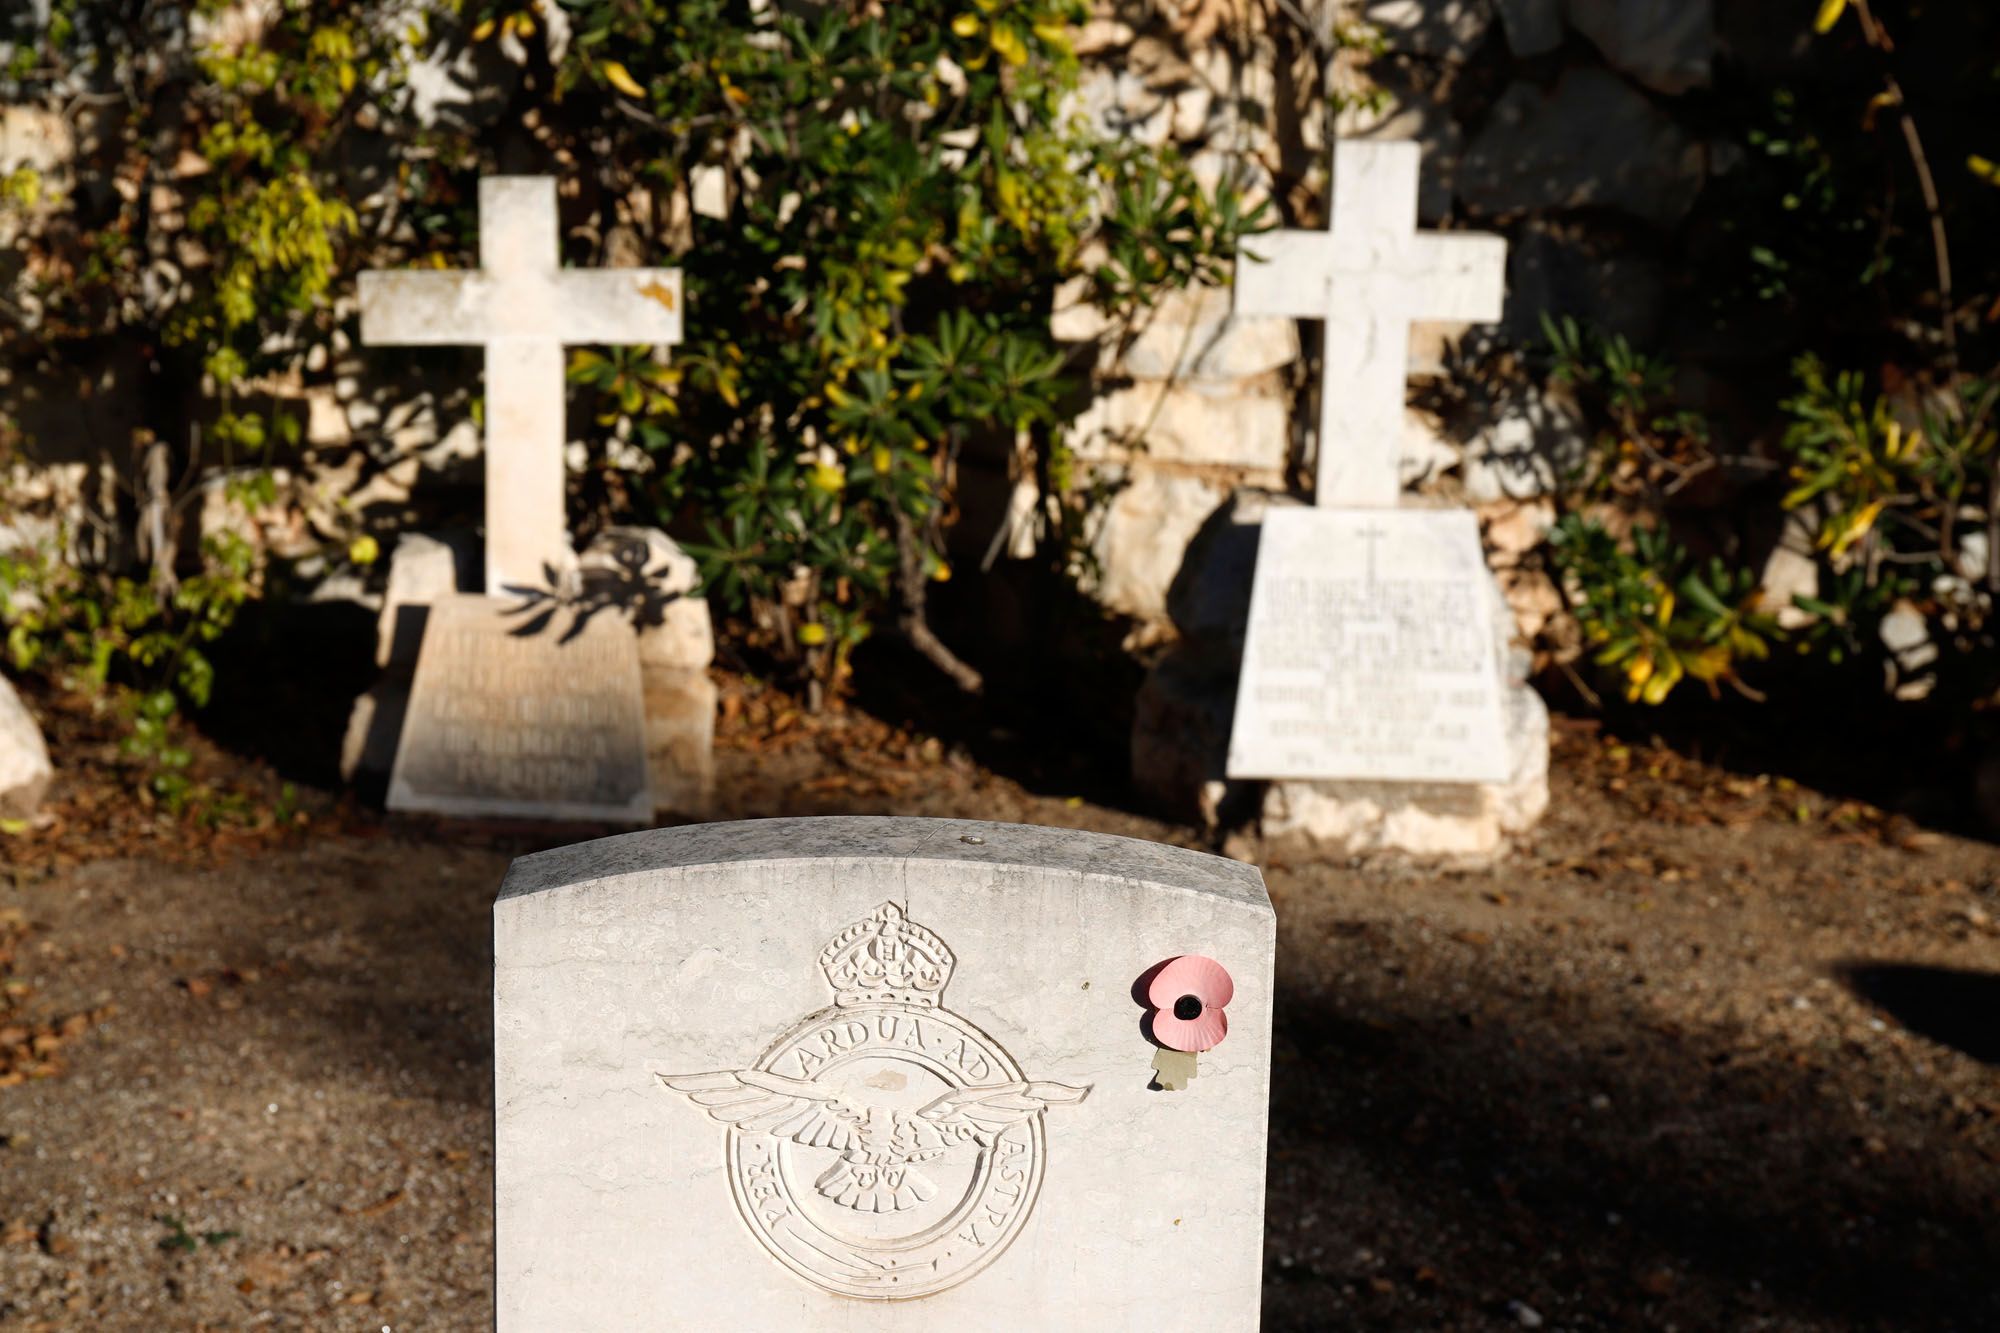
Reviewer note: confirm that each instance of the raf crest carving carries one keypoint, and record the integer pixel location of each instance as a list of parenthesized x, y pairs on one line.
[(884, 1147)]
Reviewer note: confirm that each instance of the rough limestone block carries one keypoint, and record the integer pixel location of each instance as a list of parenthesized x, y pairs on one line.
[(1791, 570), (1192, 335), (680, 737), (424, 568), (1522, 446), (1593, 274), (1665, 44), (1142, 535), (25, 770), (1247, 428), (872, 1075), (1452, 29), (1534, 27)]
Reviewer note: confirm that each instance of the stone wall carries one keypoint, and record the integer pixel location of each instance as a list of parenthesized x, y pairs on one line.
[(1568, 126)]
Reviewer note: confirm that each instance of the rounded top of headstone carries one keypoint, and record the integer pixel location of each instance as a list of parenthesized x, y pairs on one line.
[(859, 838)]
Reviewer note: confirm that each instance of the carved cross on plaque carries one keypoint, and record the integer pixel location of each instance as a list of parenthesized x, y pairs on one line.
[(1369, 277), (1372, 534), (523, 307)]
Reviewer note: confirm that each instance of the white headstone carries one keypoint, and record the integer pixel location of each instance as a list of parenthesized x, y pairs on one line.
[(525, 711), (523, 307), (1370, 650), (1369, 276), (872, 1074)]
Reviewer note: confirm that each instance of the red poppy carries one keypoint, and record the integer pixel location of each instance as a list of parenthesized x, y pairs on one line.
[(1187, 996)]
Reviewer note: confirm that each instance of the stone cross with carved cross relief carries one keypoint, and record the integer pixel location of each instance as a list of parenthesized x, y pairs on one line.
[(523, 307), (1369, 276)]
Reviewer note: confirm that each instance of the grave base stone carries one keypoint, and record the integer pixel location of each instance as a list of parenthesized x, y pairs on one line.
[(872, 1074), (638, 574), (680, 707), (423, 567), (1183, 715), (527, 711), (646, 577), (1469, 821)]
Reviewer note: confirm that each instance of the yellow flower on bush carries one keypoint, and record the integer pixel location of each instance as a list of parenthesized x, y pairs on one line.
[(965, 25), (812, 634), (828, 478), (1009, 44), (621, 78)]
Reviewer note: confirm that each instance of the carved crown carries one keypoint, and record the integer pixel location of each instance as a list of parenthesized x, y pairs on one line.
[(886, 958)]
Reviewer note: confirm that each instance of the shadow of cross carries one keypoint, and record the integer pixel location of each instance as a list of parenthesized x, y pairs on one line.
[(523, 307), (1369, 276)]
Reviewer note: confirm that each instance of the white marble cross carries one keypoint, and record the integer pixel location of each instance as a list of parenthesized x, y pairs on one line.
[(1369, 276), (523, 306)]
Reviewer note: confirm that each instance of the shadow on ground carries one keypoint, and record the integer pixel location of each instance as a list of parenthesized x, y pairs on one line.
[(1953, 1006), (1449, 1145), (1428, 1172)]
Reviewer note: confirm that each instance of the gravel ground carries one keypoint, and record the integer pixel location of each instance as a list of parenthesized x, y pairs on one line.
[(1708, 1052)]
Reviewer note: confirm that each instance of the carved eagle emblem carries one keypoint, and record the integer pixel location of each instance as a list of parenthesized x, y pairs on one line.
[(879, 1146)]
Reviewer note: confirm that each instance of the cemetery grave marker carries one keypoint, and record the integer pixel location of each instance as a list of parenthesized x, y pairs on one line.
[(503, 722), (1367, 278), (523, 306), (1370, 650), (873, 1074), (533, 710), (1367, 671)]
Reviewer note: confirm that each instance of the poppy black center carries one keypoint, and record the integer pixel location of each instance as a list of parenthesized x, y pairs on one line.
[(1187, 1007)]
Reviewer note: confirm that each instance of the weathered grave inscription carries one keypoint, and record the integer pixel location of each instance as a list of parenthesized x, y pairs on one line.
[(1370, 651), (504, 721)]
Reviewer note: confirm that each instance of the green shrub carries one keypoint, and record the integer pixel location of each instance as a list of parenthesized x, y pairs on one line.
[(905, 191)]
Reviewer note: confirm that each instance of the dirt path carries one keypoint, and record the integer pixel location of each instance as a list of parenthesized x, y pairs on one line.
[(1622, 1081)]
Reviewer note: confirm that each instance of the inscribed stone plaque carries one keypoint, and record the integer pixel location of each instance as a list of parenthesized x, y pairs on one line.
[(872, 1074), (1370, 651), (509, 716)]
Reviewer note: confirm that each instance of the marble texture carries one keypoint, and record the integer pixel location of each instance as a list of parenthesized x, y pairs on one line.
[(1370, 651), (648, 986), (1369, 277), (523, 307)]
